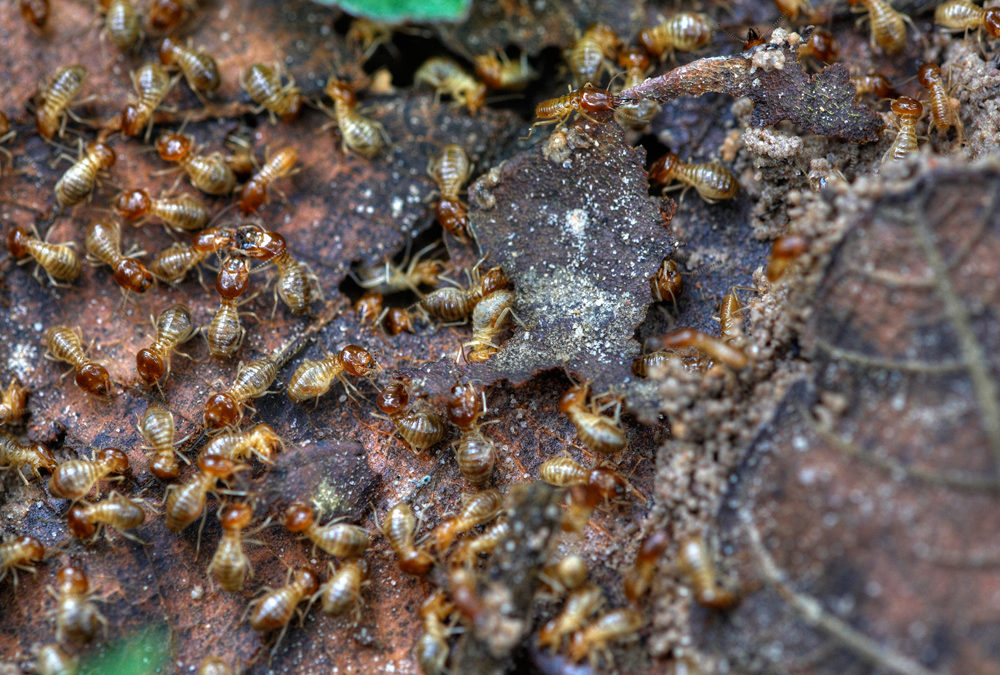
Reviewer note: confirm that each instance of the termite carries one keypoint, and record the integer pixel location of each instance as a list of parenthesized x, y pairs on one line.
[(18, 454), (447, 77), (398, 528), (683, 32), (12, 402), (419, 427), (712, 347), (166, 15), (963, 15), (104, 244), (260, 440), (390, 278), (183, 212), (636, 115), (75, 478), (731, 319), (84, 521), (294, 284), (601, 434), (943, 111), (275, 608), (65, 344), (580, 605), (589, 56), (173, 263), (224, 334), (342, 591), (588, 99), (358, 133), (174, 326), (19, 553), (640, 575), (76, 614), (55, 97), (666, 285), (254, 194), (907, 111), (469, 549), (477, 509), (342, 540), (80, 179), (252, 381), (121, 23), (821, 45), (151, 83), (488, 319), (59, 261), (713, 181), (593, 640), (695, 563), (475, 454), (156, 426), (185, 501), (874, 84), (230, 565), (313, 378), (566, 574), (784, 252), (431, 650), (450, 170), (263, 84), (52, 659), (565, 471), (888, 26), (199, 68), (499, 72), (209, 173), (451, 303)]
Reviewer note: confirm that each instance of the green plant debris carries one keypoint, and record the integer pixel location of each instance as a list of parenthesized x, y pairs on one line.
[(405, 10)]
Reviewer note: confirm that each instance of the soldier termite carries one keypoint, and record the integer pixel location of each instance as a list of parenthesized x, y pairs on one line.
[(263, 84), (419, 427), (230, 565), (590, 55), (639, 577), (121, 23), (65, 344), (636, 115), (477, 508), (712, 347), (342, 540), (209, 173), (55, 98), (399, 528), (12, 402), (254, 193), (77, 618), (252, 381), (580, 605), (593, 640), (19, 553), (75, 478), (601, 434), (713, 181), (907, 111), (588, 99), (84, 521), (59, 261), (499, 72), (358, 133), (151, 83), (224, 334), (944, 110), (185, 502), (431, 650), (183, 212), (260, 440), (18, 454), (784, 252), (888, 26), (104, 244), (199, 68), (475, 454), (313, 378), (696, 565), (450, 170), (341, 592), (157, 428), (565, 471), (173, 263), (683, 32), (174, 326), (445, 76), (80, 179)]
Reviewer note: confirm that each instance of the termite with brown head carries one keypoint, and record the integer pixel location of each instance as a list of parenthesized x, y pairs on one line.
[(450, 170), (964, 15), (406, 276), (173, 263), (65, 344), (419, 427), (591, 55), (80, 179), (263, 84), (185, 502), (683, 32), (254, 194), (209, 173), (584, 101), (338, 539), (174, 326), (35, 13), (398, 528), (713, 181), (875, 84), (341, 592), (183, 212), (565, 471), (12, 402), (908, 112), (358, 133), (59, 261), (152, 84), (275, 608), (85, 521), (944, 109), (157, 428), (478, 508), (475, 454), (76, 614), (224, 334), (636, 115), (104, 245), (261, 440), (230, 565), (16, 454), (20, 553), (252, 381), (888, 25), (785, 251), (445, 76), (601, 434), (121, 23), (468, 550), (75, 478), (55, 98), (199, 68), (314, 378)]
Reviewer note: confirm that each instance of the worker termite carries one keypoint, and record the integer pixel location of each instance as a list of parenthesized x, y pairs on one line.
[(592, 641), (209, 173), (80, 179), (477, 509), (183, 212), (19, 553), (713, 181), (475, 454), (907, 111), (962, 15), (185, 501), (712, 347), (166, 15), (230, 565), (173, 263), (369, 307), (580, 605), (65, 344), (683, 32), (640, 575), (695, 563), (644, 365), (590, 55), (199, 68), (295, 281), (874, 84), (75, 478), (12, 402), (104, 244), (342, 540), (275, 608), (398, 528), (431, 650), (59, 261), (174, 326), (667, 283), (156, 426), (342, 591), (784, 252), (256, 242), (449, 171), (260, 440), (121, 23), (85, 520), (55, 97), (358, 133), (152, 84), (252, 381), (76, 614), (452, 303), (313, 378), (35, 12), (499, 72), (17, 454), (254, 194), (52, 659), (224, 334), (588, 99), (636, 115), (566, 574), (447, 77), (888, 25), (565, 471), (468, 550), (390, 278), (419, 428), (731, 319), (263, 84), (601, 434), (821, 45), (943, 108)]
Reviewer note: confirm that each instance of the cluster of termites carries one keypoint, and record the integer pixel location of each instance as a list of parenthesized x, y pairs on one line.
[(599, 64)]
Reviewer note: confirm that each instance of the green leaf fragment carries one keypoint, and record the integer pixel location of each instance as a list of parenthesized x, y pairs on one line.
[(404, 10), (138, 654)]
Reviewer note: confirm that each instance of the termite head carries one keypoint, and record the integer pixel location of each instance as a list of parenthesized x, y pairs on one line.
[(633, 58), (78, 524), (236, 516), (114, 459), (149, 365), (928, 75), (393, 399), (233, 278), (339, 91), (133, 275), (357, 361), (17, 242), (662, 170), (593, 99), (133, 204), (991, 21), (574, 398), (102, 153), (259, 243), (298, 517), (172, 147), (221, 411), (72, 581), (907, 108), (464, 406), (210, 241), (93, 378)]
